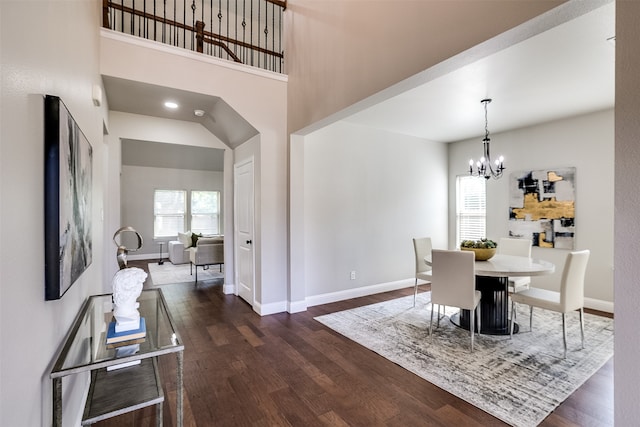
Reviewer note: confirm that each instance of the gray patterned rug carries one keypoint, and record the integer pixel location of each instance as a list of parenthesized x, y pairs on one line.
[(519, 381)]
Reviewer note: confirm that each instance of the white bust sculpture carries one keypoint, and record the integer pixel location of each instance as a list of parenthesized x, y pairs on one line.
[(127, 286)]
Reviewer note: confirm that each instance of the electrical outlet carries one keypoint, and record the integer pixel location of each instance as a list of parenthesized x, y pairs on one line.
[(353, 275)]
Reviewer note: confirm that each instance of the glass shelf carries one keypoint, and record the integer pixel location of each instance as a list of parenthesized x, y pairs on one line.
[(85, 348)]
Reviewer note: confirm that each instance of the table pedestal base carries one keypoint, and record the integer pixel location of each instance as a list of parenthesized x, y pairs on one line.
[(494, 307)]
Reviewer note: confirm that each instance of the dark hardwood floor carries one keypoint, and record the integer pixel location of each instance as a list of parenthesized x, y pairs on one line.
[(289, 370)]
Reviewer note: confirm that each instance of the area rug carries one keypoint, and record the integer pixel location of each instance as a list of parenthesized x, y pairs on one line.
[(519, 380), (169, 273)]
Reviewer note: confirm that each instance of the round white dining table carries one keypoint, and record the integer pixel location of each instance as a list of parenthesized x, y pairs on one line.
[(492, 280)]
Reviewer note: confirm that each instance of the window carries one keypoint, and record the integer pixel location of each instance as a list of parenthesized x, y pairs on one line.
[(471, 208), (169, 207), (205, 212)]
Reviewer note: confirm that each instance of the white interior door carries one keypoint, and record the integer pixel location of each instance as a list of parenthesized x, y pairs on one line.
[(244, 205)]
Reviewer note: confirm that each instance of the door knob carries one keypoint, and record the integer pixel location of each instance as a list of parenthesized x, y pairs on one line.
[(248, 242)]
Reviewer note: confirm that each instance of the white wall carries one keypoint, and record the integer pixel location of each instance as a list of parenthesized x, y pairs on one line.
[(57, 55), (367, 193), (259, 97), (627, 204), (137, 192), (145, 128), (585, 142)]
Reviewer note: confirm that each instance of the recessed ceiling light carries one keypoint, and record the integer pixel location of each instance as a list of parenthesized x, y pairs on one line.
[(198, 113), (171, 104)]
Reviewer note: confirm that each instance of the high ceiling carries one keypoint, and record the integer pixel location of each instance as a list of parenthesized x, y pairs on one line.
[(562, 72), (565, 71)]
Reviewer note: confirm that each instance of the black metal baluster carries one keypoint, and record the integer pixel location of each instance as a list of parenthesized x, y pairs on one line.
[(209, 46), (280, 38), (273, 36), (266, 34), (244, 31), (175, 18), (227, 21), (155, 26), (193, 20), (144, 19), (235, 46), (219, 27), (251, 31), (201, 16), (257, 53)]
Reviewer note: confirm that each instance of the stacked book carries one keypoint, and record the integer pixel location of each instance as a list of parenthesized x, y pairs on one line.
[(128, 337), (126, 343)]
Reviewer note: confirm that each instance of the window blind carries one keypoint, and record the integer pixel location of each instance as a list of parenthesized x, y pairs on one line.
[(169, 208), (471, 210), (205, 212)]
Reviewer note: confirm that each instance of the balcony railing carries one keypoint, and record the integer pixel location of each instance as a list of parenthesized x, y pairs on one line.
[(244, 31)]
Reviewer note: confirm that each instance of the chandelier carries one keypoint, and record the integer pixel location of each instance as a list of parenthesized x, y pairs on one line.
[(484, 167)]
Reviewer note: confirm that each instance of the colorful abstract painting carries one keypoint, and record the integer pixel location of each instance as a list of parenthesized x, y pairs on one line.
[(542, 207)]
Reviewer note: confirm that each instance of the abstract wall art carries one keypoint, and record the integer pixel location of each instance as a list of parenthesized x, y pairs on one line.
[(542, 207), (68, 169)]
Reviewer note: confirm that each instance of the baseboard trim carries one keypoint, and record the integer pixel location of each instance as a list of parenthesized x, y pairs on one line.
[(598, 304), (297, 306), (357, 292), (592, 303), (151, 257), (271, 308), (228, 289)]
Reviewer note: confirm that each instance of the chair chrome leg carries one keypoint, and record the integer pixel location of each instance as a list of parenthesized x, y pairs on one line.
[(431, 324), (513, 318), (479, 319), (438, 324), (473, 328), (531, 319), (415, 292), (564, 335), (582, 326)]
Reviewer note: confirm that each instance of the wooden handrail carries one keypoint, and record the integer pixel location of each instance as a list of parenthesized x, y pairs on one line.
[(209, 35), (124, 19), (237, 42), (282, 4), (144, 15)]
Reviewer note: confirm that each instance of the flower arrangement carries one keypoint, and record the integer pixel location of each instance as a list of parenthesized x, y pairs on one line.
[(479, 244)]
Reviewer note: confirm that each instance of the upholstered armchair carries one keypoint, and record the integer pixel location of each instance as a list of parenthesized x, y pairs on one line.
[(208, 251)]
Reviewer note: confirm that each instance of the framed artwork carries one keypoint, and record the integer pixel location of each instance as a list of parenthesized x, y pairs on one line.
[(68, 169), (542, 207)]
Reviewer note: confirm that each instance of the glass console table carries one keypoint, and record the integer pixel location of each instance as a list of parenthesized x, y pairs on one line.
[(114, 392)]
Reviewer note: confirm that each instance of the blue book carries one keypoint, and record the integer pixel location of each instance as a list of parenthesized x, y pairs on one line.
[(113, 336)]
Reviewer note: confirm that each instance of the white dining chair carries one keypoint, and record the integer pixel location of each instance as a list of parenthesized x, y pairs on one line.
[(453, 283), (570, 298), (517, 247), (421, 249)]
